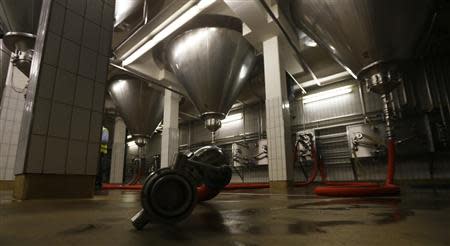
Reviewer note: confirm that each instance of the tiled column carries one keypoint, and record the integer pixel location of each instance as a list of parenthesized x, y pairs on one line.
[(170, 134), (60, 137), (11, 111), (118, 151), (277, 117)]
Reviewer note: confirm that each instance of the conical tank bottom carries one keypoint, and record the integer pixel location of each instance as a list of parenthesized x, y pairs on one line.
[(20, 15), (212, 64), (360, 33), (140, 105)]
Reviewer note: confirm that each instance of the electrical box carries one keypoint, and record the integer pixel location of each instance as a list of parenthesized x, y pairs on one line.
[(366, 140), (250, 154)]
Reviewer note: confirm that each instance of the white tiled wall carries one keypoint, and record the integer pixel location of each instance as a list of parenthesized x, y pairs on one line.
[(11, 111), (118, 151), (66, 100)]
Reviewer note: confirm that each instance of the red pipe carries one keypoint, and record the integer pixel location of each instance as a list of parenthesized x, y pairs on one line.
[(390, 162), (314, 169), (340, 189), (349, 189)]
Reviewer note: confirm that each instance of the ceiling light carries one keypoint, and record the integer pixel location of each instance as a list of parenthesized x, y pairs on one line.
[(168, 30), (232, 117), (327, 94)]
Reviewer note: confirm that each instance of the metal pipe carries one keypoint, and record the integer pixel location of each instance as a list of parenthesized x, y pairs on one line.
[(299, 85), (363, 101), (292, 44), (387, 116), (260, 123), (190, 115), (145, 12), (143, 77), (427, 86), (338, 77), (437, 95)]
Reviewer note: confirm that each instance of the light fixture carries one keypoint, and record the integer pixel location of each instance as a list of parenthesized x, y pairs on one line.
[(232, 117), (132, 145), (168, 30), (327, 94)]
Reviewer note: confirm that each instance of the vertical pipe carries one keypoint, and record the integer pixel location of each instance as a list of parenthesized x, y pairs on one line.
[(260, 127), (438, 95), (427, 85), (145, 11), (363, 101), (387, 116)]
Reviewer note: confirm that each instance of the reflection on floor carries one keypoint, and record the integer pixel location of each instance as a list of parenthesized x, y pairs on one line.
[(252, 217)]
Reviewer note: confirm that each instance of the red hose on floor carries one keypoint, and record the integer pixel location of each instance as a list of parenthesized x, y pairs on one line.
[(349, 189)]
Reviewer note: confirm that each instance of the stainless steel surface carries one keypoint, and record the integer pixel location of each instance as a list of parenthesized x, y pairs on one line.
[(140, 105), (300, 58), (142, 77), (20, 15), (21, 45), (29, 109), (212, 64), (4, 65), (19, 20), (361, 33), (387, 112)]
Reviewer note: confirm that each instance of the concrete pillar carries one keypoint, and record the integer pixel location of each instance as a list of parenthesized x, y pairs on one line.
[(277, 117), (170, 134), (118, 151), (59, 142), (11, 111)]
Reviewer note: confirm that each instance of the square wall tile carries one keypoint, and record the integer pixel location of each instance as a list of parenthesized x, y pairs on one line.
[(94, 11), (80, 124), (46, 81), (63, 2), (102, 68), (99, 97), (84, 92), (73, 26), (60, 120), (55, 156), (108, 17), (36, 150), (51, 49), (69, 56), (41, 116), (105, 42), (88, 61), (92, 158), (78, 6), (91, 35), (57, 18), (76, 158), (64, 87), (96, 127)]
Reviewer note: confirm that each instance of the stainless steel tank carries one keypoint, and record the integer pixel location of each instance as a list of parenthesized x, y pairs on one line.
[(140, 105), (368, 37), (19, 20), (213, 64)]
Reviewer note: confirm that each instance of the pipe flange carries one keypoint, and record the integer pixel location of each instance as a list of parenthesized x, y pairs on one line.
[(168, 196)]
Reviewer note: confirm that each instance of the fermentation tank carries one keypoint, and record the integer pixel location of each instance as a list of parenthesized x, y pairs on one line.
[(19, 20), (212, 61), (370, 39)]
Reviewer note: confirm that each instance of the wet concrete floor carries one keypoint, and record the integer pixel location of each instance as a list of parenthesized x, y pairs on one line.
[(245, 217)]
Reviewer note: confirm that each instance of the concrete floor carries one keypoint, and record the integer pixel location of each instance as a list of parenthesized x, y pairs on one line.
[(234, 218)]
